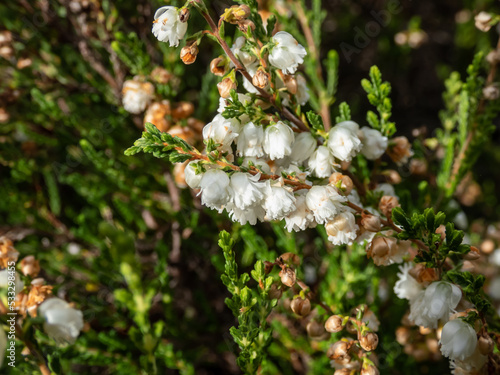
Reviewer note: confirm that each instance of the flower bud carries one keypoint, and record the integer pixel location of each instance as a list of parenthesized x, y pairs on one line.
[(218, 66), (225, 87), (156, 113), (339, 351), (485, 345), (387, 203), (403, 335), (290, 83), (346, 183), (418, 167), (30, 266), (184, 15), (370, 222), (369, 342), (189, 53), (380, 249), (182, 110), (290, 258), (399, 150), (441, 230), (473, 254), (392, 177), (483, 21), (314, 329), (161, 75), (370, 370), (261, 78), (491, 92), (288, 276), (275, 292), (423, 274), (244, 25), (301, 306), (335, 323)]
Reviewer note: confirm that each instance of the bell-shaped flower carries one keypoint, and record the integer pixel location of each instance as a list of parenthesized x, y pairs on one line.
[(321, 162), (62, 322), (374, 143), (222, 131), (167, 26), (302, 217), (278, 140), (458, 339), (249, 142), (246, 190), (286, 53), (325, 203), (215, 189), (343, 140), (342, 229), (303, 147), (279, 202)]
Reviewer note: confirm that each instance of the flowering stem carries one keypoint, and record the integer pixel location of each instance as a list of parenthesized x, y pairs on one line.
[(239, 67)]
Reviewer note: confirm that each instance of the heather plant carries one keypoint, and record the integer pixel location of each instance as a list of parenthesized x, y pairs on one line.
[(275, 228)]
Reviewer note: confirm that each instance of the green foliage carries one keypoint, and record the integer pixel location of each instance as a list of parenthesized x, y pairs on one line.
[(378, 96), (250, 305)]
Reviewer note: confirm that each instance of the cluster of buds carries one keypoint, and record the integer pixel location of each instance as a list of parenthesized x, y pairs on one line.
[(350, 355), (238, 15)]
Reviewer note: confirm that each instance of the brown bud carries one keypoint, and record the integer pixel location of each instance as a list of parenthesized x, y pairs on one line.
[(189, 53), (403, 335), (160, 75), (268, 267), (491, 92), (275, 292), (399, 150), (182, 110), (485, 345), (245, 24), (4, 116), (30, 266), (156, 113), (184, 15), (290, 258), (370, 370), (183, 132), (218, 66), (346, 182), (387, 203), (369, 342), (442, 231), (339, 351), (314, 329), (483, 21), (473, 254), (370, 222), (242, 13), (418, 167), (335, 323), (290, 83), (343, 371), (392, 177), (288, 276), (380, 249), (225, 87), (423, 274), (350, 327), (301, 306), (260, 79)]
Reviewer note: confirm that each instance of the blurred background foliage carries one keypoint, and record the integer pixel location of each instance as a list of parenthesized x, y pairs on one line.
[(117, 236)]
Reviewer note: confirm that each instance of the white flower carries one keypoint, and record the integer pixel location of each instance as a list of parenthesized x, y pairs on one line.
[(222, 131), (302, 218), (4, 280), (374, 143), (303, 147), (342, 229), (435, 303), (245, 57), (458, 340), (167, 26), (246, 190), (190, 176), (62, 322), (260, 163), (406, 286), (215, 190), (249, 142), (470, 365), (325, 202), (3, 345), (343, 140), (278, 140), (279, 202), (321, 162), (287, 53), (249, 215), (136, 95)]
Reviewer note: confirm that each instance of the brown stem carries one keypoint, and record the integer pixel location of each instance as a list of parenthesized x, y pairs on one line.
[(239, 67)]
